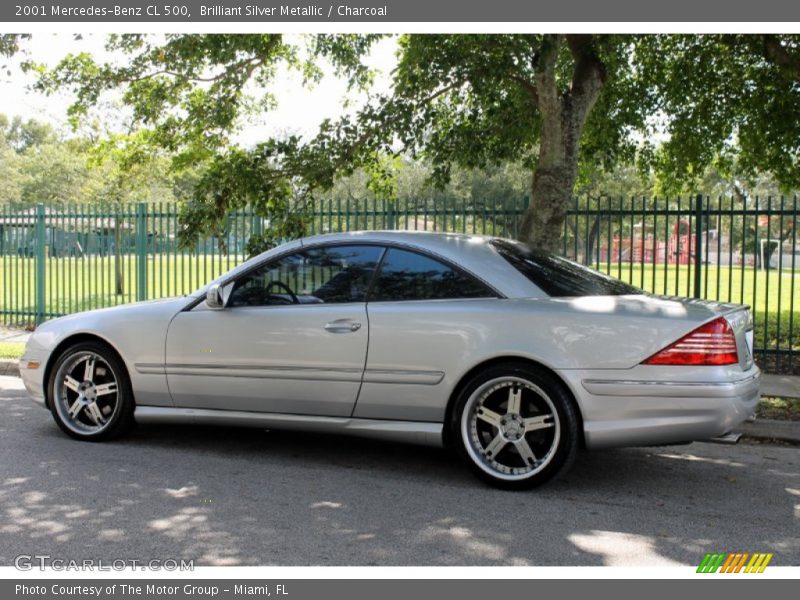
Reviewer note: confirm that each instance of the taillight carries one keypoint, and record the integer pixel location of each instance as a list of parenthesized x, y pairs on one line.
[(711, 344)]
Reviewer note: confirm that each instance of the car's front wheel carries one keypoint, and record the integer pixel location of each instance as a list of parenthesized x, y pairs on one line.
[(90, 393), (516, 426)]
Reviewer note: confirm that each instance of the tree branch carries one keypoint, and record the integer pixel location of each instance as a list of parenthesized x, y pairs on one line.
[(252, 63), (545, 77), (589, 71)]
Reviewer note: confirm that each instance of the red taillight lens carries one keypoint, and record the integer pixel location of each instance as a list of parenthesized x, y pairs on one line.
[(711, 344)]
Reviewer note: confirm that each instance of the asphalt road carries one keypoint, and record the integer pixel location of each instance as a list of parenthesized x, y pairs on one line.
[(249, 497)]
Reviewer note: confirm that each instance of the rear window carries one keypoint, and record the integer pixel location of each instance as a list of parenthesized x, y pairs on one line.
[(407, 275), (557, 276)]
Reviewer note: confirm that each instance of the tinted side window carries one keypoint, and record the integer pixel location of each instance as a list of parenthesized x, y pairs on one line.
[(326, 275), (411, 276), (557, 276)]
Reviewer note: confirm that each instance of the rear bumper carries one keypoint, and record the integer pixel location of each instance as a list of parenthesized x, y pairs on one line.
[(668, 406)]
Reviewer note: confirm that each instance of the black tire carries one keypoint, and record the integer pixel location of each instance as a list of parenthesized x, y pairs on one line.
[(119, 418), (540, 396)]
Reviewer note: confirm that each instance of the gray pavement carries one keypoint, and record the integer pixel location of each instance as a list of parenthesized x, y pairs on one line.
[(244, 497), (780, 386)]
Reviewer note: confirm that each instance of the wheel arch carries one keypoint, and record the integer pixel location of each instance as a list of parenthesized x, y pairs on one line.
[(67, 342), (498, 360)]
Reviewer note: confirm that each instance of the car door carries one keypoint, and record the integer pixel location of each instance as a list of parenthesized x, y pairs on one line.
[(291, 338), (424, 317)]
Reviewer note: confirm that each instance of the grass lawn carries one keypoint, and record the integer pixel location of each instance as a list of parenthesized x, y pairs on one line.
[(77, 284), (11, 350), (784, 409)]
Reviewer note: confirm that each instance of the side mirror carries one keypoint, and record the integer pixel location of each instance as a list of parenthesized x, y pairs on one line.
[(214, 297)]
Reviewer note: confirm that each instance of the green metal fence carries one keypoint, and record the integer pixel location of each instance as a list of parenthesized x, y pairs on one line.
[(55, 261)]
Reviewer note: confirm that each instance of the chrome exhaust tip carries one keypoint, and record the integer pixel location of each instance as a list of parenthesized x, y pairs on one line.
[(726, 438)]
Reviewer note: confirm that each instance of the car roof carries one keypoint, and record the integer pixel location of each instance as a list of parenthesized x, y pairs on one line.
[(423, 239), (469, 251)]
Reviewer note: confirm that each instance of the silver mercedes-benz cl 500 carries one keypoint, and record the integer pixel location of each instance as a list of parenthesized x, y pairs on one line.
[(514, 357)]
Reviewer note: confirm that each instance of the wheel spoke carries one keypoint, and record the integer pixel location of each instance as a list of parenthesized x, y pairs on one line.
[(514, 400), (495, 445), (106, 388), (88, 374), (76, 408), (524, 449), (95, 414), (71, 383), (538, 422), (488, 415)]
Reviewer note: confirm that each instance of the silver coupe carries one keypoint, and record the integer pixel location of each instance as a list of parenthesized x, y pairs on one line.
[(514, 357)]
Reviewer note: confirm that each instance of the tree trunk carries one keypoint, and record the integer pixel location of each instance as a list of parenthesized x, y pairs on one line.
[(551, 189), (563, 118)]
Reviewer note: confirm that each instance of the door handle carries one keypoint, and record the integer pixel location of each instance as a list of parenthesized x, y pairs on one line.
[(343, 326)]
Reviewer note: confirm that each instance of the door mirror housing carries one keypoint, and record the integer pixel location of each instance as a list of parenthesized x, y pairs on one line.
[(214, 297)]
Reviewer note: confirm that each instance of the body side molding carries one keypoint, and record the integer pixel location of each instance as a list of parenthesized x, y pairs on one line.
[(399, 376), (428, 434)]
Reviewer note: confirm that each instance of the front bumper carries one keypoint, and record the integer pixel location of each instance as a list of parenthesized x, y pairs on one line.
[(651, 405), (33, 379)]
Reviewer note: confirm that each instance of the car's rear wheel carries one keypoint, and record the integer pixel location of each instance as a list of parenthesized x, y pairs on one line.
[(90, 393), (516, 426)]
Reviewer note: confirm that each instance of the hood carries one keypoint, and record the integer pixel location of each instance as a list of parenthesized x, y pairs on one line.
[(143, 309)]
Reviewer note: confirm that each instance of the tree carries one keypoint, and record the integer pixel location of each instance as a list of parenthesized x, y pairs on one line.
[(189, 94), (732, 101), (559, 104), (478, 100)]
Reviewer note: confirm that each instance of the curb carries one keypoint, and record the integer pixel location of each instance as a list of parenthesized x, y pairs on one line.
[(9, 368), (770, 429)]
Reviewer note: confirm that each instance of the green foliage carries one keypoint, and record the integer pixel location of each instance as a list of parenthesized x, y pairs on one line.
[(680, 104), (10, 45), (39, 165), (409, 183), (188, 90), (732, 101), (784, 409), (234, 180), (189, 94)]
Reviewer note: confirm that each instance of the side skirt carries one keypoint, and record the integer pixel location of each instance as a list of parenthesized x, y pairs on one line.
[(428, 434)]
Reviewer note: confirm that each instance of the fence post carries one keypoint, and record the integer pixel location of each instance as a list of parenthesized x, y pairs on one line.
[(257, 223), (391, 214), (141, 251), (41, 262), (698, 244)]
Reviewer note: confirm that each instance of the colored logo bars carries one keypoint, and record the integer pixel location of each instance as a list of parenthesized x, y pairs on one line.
[(734, 562)]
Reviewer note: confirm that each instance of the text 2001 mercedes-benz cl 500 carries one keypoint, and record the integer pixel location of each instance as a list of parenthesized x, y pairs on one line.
[(515, 357)]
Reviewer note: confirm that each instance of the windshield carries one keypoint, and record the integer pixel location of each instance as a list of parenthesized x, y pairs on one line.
[(557, 276)]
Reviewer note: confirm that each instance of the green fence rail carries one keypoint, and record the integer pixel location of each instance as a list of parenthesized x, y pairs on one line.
[(55, 261)]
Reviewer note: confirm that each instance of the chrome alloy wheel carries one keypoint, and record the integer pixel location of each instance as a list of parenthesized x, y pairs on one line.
[(86, 393), (511, 428)]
